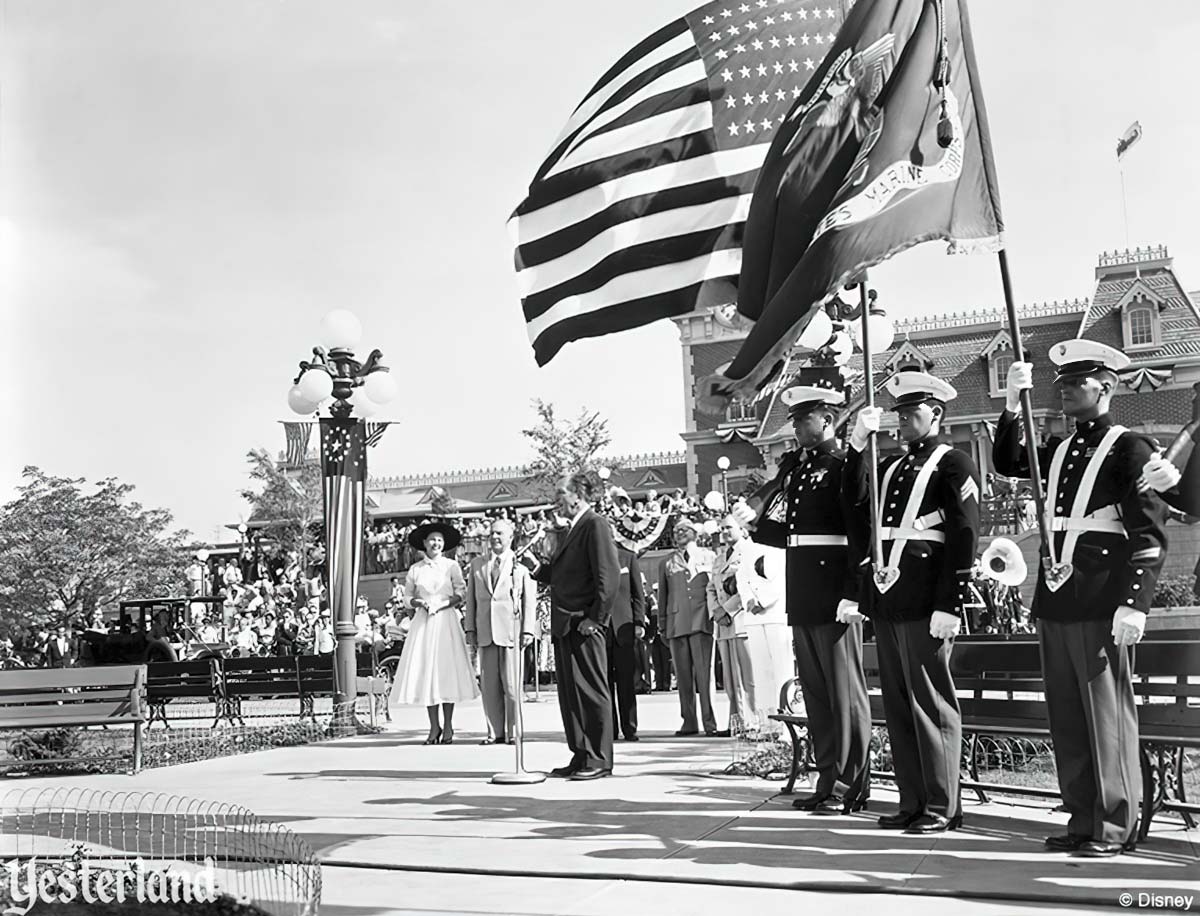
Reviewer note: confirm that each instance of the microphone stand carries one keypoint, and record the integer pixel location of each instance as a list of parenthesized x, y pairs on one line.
[(519, 776)]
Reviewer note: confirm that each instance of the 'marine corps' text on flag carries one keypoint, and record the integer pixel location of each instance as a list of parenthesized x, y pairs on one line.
[(887, 148), (642, 201)]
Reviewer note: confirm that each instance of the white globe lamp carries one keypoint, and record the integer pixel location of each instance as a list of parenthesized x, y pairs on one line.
[(363, 405), (299, 403), (818, 331), (380, 387), (315, 385), (341, 330)]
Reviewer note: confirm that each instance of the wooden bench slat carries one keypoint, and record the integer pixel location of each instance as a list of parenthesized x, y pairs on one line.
[(93, 710), (87, 696), (105, 676)]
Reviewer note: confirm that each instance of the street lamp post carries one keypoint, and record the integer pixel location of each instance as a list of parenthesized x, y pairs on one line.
[(345, 391), (723, 466)]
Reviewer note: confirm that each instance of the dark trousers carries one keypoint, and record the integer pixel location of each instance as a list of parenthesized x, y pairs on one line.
[(660, 659), (1094, 727), (923, 718), (581, 673), (829, 661), (692, 655), (622, 680)]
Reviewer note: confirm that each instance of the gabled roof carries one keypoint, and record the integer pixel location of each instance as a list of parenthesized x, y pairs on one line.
[(1121, 277)]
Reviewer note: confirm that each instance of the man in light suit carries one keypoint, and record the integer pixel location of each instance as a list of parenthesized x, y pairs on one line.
[(684, 621), (495, 588), (625, 632), (583, 574)]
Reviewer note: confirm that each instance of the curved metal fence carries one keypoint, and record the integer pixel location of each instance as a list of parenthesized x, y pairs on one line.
[(254, 860)]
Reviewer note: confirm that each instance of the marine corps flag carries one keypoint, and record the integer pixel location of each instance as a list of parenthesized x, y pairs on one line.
[(888, 147)]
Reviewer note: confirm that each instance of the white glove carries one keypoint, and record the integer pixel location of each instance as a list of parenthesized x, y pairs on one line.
[(1128, 626), (943, 625), (1020, 377), (866, 423), (847, 611), (1159, 474), (744, 513)]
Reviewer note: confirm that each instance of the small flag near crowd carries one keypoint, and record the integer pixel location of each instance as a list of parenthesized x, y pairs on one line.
[(640, 205), (887, 148), (297, 436), (1131, 136), (375, 432)]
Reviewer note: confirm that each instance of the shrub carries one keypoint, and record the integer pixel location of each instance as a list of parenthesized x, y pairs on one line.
[(1175, 591)]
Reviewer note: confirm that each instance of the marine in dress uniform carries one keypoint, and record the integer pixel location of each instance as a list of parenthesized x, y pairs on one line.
[(929, 516), (822, 592), (1108, 548)]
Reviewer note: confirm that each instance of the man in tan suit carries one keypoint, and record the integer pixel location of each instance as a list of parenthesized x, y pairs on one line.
[(495, 588)]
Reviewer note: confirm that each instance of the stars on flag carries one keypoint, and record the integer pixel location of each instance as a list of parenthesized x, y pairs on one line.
[(742, 48)]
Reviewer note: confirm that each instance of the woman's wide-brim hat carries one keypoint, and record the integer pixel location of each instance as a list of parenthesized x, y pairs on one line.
[(449, 533)]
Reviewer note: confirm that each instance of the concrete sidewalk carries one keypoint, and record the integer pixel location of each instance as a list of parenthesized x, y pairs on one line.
[(401, 827)]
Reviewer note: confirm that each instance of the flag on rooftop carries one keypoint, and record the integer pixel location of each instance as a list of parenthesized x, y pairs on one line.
[(889, 147), (639, 207)]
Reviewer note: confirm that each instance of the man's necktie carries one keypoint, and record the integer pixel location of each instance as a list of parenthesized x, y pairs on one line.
[(495, 574)]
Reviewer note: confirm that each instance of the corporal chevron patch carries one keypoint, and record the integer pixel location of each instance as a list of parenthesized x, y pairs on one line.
[(969, 490)]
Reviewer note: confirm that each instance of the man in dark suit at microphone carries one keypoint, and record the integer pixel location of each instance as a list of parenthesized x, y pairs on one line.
[(584, 575)]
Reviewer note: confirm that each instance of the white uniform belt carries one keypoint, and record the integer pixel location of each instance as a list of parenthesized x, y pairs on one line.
[(817, 540), (911, 534), (919, 531), (1106, 520)]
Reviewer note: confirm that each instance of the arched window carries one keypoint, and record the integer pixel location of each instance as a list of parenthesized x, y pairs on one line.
[(999, 363), (1141, 326)]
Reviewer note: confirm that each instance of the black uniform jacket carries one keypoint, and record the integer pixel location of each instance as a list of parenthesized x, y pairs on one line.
[(1110, 570), (809, 484), (933, 576)]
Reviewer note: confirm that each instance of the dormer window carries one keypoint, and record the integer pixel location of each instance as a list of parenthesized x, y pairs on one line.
[(999, 364), (1141, 326), (1140, 323), (998, 356)]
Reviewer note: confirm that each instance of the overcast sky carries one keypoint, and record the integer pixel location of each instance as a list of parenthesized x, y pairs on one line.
[(187, 187)]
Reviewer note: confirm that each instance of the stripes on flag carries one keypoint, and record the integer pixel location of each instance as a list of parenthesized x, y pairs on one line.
[(297, 436), (642, 201), (375, 432)]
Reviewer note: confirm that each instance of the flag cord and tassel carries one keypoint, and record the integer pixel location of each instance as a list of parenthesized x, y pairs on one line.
[(872, 443), (1035, 472), (941, 79)]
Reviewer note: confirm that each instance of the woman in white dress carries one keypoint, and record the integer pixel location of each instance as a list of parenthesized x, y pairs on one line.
[(435, 669)]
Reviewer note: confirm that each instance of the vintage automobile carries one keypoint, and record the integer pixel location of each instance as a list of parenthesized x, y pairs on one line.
[(153, 630)]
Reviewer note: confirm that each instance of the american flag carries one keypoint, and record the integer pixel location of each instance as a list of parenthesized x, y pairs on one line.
[(297, 435), (642, 200), (344, 469), (375, 432)]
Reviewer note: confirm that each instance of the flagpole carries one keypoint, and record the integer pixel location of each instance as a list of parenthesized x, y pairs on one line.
[(1035, 472), (872, 443), (1124, 201)]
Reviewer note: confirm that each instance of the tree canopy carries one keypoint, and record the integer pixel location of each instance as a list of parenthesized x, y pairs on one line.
[(563, 446), (68, 548), (290, 503)]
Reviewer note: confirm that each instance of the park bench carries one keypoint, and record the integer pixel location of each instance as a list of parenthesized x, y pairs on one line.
[(167, 681), (260, 678), (1001, 696), (74, 697)]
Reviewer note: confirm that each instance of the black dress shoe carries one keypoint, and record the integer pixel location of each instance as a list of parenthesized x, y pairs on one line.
[(566, 772), (590, 773), (723, 733), (898, 821), (684, 733), (631, 737), (934, 823), (834, 804), (1068, 842), (1098, 849), (811, 802)]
